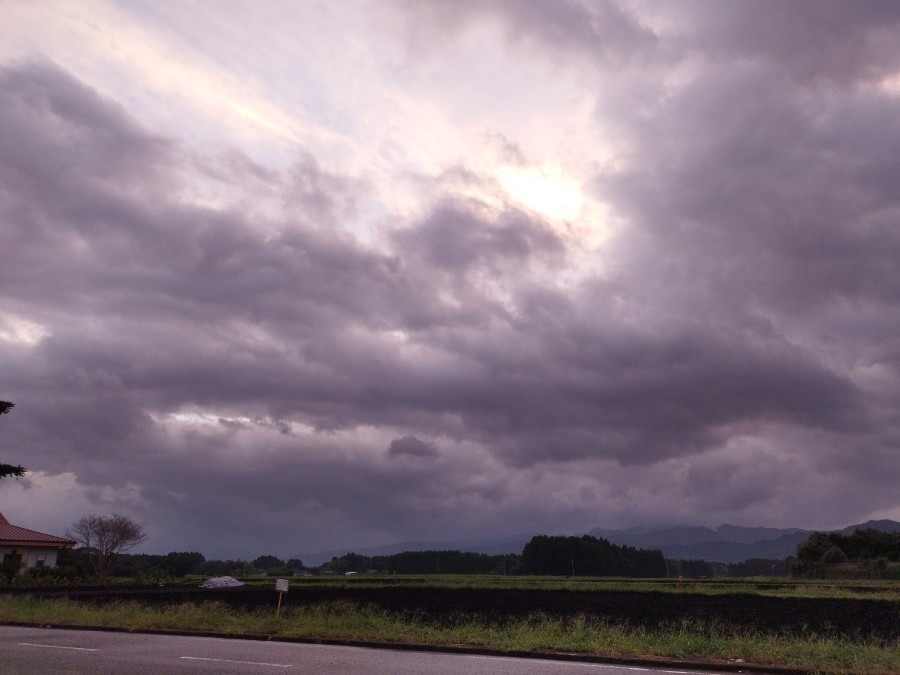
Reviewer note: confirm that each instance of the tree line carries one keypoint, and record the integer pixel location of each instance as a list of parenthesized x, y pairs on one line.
[(752, 567), (7, 470), (862, 545), (78, 564), (542, 555), (562, 556), (589, 556), (425, 562), (875, 553)]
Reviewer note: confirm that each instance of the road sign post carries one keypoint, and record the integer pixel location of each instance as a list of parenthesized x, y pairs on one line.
[(281, 585)]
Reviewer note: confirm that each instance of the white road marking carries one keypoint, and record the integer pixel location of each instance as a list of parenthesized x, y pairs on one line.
[(77, 649), (246, 663)]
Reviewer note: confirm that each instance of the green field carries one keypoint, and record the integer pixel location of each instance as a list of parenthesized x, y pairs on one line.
[(538, 632)]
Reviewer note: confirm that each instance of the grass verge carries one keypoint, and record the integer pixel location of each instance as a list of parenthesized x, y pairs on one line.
[(347, 621)]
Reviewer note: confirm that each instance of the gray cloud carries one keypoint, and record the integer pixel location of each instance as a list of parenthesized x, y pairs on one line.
[(412, 446), (455, 238), (603, 29), (811, 41), (732, 351)]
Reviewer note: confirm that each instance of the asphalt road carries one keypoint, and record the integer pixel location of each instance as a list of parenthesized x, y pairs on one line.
[(50, 650)]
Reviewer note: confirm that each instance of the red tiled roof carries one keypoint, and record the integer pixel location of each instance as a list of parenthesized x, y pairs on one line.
[(10, 535)]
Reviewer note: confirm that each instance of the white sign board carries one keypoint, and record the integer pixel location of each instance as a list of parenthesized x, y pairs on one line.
[(281, 585)]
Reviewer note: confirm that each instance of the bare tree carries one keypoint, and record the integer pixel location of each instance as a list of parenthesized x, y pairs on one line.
[(105, 537), (16, 470)]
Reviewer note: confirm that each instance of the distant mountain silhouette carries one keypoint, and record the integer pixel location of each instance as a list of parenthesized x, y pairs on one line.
[(725, 543), (882, 525)]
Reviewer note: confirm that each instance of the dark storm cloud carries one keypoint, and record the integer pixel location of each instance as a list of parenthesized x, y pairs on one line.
[(47, 112), (552, 378), (809, 40), (766, 196), (412, 446), (318, 493), (739, 327), (775, 195), (760, 193), (454, 237), (760, 200), (552, 386)]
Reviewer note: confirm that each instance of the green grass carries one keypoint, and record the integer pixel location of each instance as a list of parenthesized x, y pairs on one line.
[(347, 621)]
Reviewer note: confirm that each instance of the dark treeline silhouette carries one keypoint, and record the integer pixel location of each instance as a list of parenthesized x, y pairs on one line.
[(696, 569), (589, 556), (542, 556), (16, 470), (754, 567), (426, 562), (759, 567), (862, 545), (175, 564), (180, 564), (866, 553), (75, 564)]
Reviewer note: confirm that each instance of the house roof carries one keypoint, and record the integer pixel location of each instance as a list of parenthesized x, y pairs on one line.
[(11, 535)]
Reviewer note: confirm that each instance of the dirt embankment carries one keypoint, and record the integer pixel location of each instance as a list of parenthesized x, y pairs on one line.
[(878, 619)]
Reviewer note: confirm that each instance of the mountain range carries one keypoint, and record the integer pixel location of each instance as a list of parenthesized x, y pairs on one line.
[(724, 544)]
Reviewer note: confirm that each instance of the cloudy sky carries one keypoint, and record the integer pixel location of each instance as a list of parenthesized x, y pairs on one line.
[(290, 276)]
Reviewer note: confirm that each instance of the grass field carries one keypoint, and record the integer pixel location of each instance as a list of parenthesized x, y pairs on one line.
[(348, 622), (538, 632)]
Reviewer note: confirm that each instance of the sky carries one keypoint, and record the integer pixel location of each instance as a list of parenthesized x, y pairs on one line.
[(293, 276)]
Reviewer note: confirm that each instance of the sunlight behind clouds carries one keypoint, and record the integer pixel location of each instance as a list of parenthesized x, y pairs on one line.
[(891, 84), (547, 191), (17, 329), (558, 197)]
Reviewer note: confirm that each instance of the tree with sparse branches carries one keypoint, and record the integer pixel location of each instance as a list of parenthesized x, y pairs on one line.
[(104, 537), (16, 470)]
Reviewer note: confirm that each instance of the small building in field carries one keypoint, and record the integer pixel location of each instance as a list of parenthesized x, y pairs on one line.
[(28, 549)]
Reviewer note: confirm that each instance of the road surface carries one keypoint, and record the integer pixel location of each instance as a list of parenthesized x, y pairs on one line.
[(51, 650)]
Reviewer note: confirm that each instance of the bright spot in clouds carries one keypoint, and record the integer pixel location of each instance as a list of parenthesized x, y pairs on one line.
[(546, 191), (16, 329)]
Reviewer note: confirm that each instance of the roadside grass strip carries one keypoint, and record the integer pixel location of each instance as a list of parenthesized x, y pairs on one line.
[(349, 621)]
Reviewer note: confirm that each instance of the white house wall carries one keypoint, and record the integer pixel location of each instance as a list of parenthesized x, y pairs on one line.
[(30, 555)]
